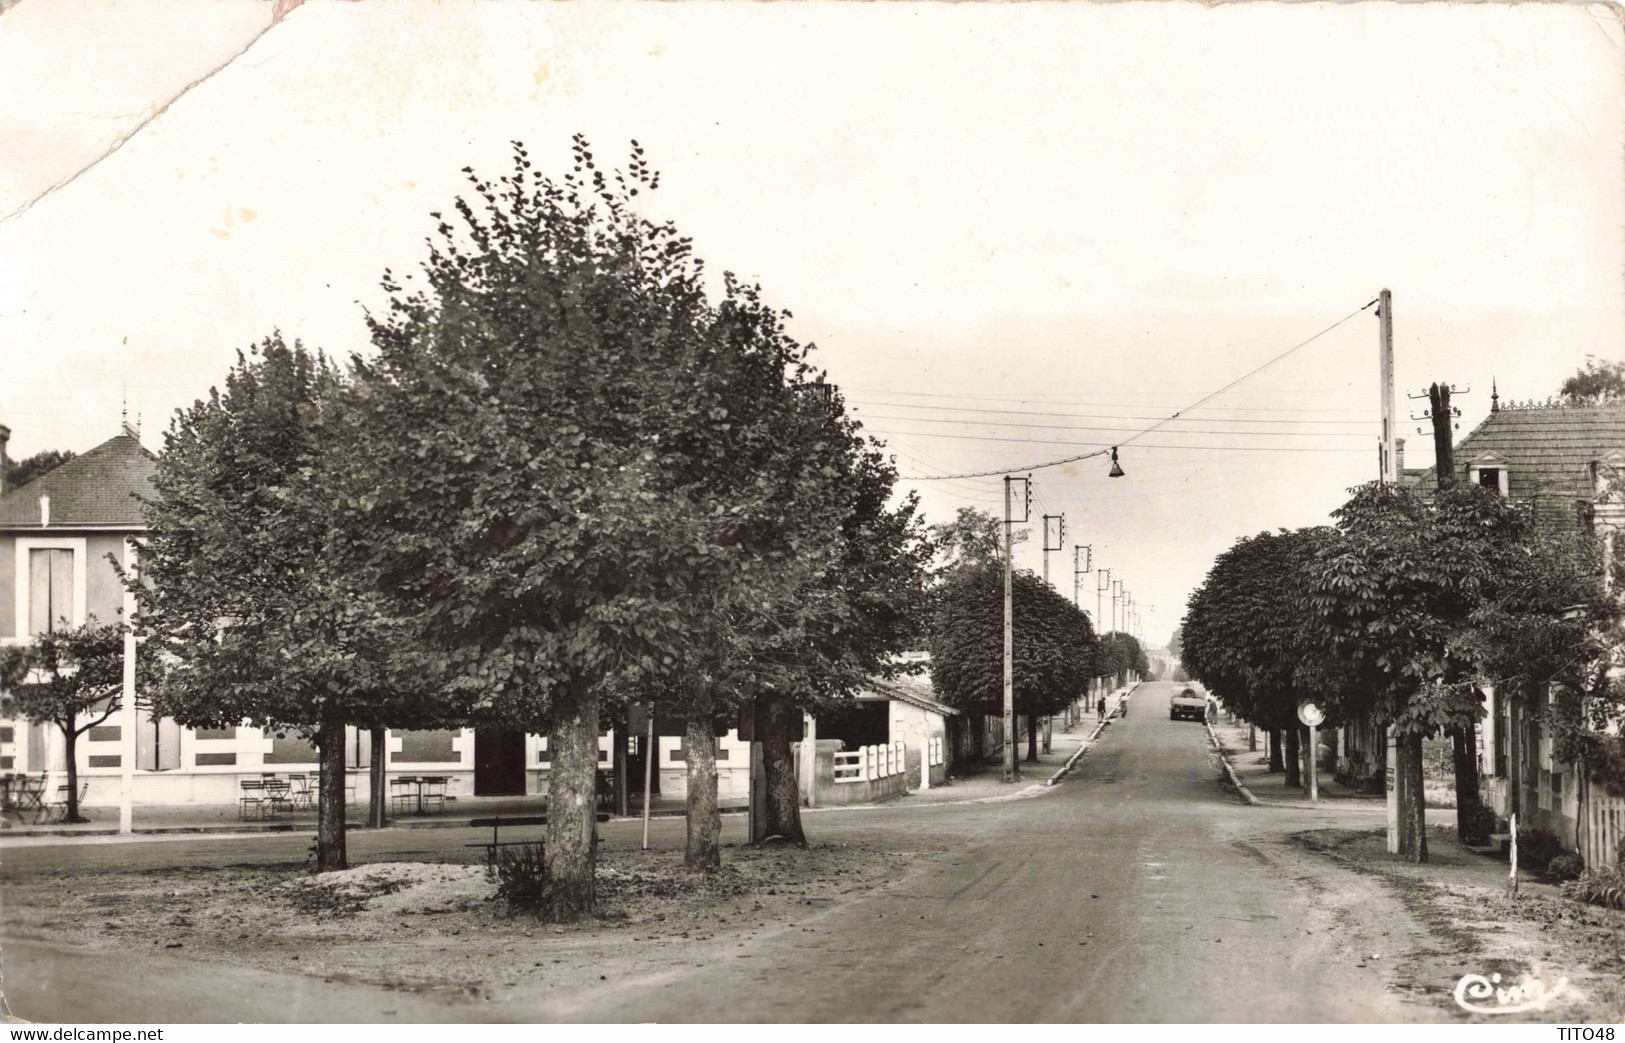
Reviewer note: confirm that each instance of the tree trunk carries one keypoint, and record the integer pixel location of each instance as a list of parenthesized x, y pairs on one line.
[(1413, 838), (330, 849), (377, 780), (1290, 758), (1275, 750), (1465, 748), (572, 804), (783, 796), (70, 743), (704, 848), (1032, 738)]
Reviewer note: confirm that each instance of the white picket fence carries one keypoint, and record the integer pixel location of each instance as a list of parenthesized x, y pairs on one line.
[(870, 762), (1605, 826)]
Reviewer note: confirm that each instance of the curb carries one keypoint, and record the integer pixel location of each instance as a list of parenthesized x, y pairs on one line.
[(1090, 741), (1228, 770), (276, 828)]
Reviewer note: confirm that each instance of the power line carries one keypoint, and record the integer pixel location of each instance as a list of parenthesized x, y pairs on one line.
[(1093, 427), (1040, 401), (1161, 423), (1105, 416), (1086, 456)]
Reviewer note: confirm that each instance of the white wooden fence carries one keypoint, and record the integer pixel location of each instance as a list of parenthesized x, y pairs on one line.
[(1605, 825), (869, 762)]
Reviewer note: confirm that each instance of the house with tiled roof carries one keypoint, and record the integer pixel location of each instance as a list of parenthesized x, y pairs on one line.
[(1567, 463), (57, 534)]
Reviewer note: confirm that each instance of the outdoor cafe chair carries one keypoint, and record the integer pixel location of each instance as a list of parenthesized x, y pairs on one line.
[(403, 793), (252, 802), (28, 793), (301, 794), (57, 810), (277, 795), (433, 791)]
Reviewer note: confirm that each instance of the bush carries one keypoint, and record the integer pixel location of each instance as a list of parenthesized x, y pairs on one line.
[(1565, 867), (1605, 887), (1480, 823), (522, 879), (1536, 847)]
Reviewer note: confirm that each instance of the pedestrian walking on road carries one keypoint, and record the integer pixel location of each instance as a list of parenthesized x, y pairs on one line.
[(1100, 709)]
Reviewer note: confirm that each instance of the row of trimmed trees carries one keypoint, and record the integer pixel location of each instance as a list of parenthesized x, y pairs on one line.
[(1401, 613), (1056, 651), (564, 480)]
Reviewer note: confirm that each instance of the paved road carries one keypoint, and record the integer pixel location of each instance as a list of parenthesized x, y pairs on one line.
[(1140, 890)]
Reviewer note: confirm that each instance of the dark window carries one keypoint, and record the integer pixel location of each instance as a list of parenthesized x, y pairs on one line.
[(426, 747), (7, 734), (206, 759), (677, 754), (110, 760), (1501, 748), (1490, 477), (5, 762), (105, 733)]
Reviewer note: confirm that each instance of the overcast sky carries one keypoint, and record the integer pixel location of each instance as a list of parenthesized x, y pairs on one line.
[(1016, 231)]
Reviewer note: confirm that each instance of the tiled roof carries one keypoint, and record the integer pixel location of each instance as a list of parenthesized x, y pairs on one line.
[(95, 488), (907, 688), (1546, 450)]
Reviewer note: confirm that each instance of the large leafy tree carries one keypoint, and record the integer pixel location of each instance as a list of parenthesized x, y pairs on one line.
[(1122, 656), (1054, 655), (588, 483), (1391, 600), (1555, 625), (72, 678), (1242, 635), (246, 585), (850, 619)]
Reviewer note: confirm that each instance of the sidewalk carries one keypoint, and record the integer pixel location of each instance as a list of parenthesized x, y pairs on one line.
[(222, 818), (1269, 788), (987, 783)]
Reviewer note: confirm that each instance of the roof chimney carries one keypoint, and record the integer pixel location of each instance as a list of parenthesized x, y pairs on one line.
[(5, 436), (1399, 456)]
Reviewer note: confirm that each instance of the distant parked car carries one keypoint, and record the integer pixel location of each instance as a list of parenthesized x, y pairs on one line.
[(1187, 702)]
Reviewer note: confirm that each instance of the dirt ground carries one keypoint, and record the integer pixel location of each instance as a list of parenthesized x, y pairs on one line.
[(1461, 898), (436, 928)]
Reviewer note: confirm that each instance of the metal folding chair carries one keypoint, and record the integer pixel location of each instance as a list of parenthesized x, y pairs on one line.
[(251, 804)]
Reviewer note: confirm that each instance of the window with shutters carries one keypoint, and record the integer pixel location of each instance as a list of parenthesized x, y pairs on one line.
[(50, 590)]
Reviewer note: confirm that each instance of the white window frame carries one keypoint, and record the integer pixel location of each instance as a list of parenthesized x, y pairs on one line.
[(1491, 462), (24, 579)]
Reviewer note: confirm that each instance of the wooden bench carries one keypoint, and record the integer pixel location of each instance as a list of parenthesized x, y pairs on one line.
[(496, 825)]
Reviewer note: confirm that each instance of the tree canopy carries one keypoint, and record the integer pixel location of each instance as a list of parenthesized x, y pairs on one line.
[(21, 472), (73, 678), (1600, 381), (1055, 650), (1242, 634)]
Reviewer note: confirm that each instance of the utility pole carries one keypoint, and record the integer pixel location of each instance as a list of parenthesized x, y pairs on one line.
[(1059, 542), (1388, 474), (1464, 745), (1081, 566), (1011, 771), (1385, 369)]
